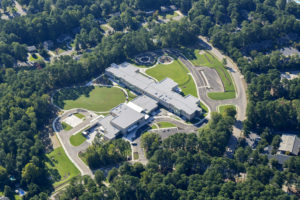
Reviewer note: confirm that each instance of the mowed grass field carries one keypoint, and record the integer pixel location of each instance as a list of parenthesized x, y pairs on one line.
[(77, 139), (58, 160), (99, 99), (207, 59), (178, 72)]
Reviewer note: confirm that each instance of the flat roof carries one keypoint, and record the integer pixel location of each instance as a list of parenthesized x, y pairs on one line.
[(135, 107), (109, 131), (290, 143), (162, 90), (145, 102), (125, 116)]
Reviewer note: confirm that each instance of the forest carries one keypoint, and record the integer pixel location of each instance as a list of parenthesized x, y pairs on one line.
[(235, 27)]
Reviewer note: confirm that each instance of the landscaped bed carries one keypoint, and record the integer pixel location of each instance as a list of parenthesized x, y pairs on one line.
[(176, 71), (206, 59), (58, 160), (99, 99), (77, 139), (79, 115)]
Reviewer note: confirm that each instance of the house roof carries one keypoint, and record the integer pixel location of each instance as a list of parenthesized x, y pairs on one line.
[(290, 143), (31, 48)]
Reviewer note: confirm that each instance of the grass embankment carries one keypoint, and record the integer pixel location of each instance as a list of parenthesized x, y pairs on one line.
[(99, 99), (222, 108), (176, 71), (207, 59), (58, 160), (66, 126), (77, 139)]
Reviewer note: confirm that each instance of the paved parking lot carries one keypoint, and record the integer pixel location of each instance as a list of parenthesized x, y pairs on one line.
[(212, 78), (72, 120)]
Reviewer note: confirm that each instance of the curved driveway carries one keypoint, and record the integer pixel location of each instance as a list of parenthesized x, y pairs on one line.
[(64, 138), (240, 86)]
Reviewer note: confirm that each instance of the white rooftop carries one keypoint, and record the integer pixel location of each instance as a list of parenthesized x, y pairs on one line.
[(290, 143), (145, 102), (109, 131), (125, 116)]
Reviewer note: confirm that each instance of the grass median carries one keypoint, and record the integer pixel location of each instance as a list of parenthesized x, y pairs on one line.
[(77, 139)]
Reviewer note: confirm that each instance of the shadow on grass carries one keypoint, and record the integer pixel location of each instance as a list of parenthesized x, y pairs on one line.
[(54, 174), (71, 94)]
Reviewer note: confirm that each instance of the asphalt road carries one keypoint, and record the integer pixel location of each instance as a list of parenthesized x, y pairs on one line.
[(240, 85)]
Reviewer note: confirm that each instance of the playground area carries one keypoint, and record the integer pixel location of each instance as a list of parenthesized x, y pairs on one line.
[(147, 59)]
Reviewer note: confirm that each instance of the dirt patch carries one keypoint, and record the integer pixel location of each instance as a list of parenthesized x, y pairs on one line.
[(55, 141)]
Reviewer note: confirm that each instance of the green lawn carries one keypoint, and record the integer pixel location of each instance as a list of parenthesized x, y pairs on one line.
[(207, 59), (77, 139), (165, 125), (176, 71), (58, 160), (154, 126), (104, 27), (189, 87), (35, 58), (66, 126), (170, 16), (79, 115), (221, 95), (98, 99), (223, 107)]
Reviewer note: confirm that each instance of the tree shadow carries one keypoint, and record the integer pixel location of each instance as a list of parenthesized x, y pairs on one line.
[(71, 94)]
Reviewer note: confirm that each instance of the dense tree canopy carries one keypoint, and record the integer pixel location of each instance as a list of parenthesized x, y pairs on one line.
[(183, 166)]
